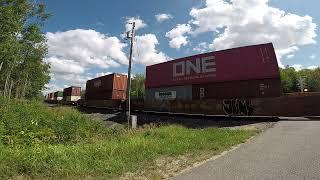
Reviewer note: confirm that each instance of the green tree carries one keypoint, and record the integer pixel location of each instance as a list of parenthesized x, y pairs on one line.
[(137, 87), (288, 79), (312, 78), (22, 48)]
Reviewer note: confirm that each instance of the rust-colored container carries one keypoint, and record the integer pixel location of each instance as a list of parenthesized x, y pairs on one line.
[(237, 64), (51, 96), (118, 94), (72, 93), (112, 86), (238, 89)]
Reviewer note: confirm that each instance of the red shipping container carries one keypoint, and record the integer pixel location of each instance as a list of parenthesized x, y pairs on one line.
[(108, 82), (112, 86), (238, 89), (72, 91), (244, 63)]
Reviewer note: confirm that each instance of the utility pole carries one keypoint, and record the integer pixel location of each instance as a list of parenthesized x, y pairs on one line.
[(131, 36)]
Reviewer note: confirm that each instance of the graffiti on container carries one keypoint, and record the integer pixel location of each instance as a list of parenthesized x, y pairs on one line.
[(237, 107)]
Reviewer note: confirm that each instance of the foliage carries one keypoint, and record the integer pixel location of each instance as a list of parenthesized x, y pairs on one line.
[(31, 122), (115, 153), (39, 142), (289, 79), (22, 48), (137, 87)]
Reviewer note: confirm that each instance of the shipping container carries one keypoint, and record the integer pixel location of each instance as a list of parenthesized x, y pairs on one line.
[(58, 95), (108, 82), (72, 98), (238, 89), (112, 86), (50, 96), (169, 93), (244, 63), (72, 93)]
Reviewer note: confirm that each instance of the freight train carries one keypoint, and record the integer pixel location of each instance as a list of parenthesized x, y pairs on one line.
[(238, 81)]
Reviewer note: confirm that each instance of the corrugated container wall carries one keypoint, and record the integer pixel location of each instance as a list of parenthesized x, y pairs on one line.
[(244, 63), (237, 89), (72, 93), (112, 86), (169, 93)]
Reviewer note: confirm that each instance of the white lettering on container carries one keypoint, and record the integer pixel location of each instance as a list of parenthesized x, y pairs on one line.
[(202, 65)]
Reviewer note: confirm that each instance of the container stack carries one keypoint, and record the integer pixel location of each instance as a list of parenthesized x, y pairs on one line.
[(58, 95), (108, 87), (72, 94), (245, 72)]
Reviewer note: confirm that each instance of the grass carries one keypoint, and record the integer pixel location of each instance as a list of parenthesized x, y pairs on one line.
[(76, 147)]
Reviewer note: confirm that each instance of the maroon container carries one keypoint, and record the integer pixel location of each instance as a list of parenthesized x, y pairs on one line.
[(71, 91), (112, 86), (244, 63), (238, 89)]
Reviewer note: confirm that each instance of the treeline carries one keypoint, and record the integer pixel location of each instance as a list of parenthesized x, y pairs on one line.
[(290, 79), (23, 73)]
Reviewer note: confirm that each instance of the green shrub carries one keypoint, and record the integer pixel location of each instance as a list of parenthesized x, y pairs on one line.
[(32, 122)]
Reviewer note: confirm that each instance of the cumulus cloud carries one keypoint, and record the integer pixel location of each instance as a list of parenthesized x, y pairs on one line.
[(139, 23), (312, 67), (73, 53), (178, 36), (247, 22), (290, 56), (163, 17), (102, 74), (299, 67), (86, 47), (201, 47), (64, 66), (145, 50)]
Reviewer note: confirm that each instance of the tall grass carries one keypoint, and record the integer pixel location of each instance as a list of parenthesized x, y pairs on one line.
[(62, 143), (32, 122)]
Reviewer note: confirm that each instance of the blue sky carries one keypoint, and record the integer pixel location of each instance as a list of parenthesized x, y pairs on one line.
[(77, 54)]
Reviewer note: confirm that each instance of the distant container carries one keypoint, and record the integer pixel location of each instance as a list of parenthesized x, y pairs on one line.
[(58, 95), (243, 63), (238, 89), (50, 96), (112, 86), (169, 93), (72, 93)]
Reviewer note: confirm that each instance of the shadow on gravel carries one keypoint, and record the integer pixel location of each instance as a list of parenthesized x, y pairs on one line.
[(149, 119)]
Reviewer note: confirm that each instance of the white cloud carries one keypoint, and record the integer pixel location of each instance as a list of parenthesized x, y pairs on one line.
[(247, 22), (64, 66), (297, 67), (73, 53), (139, 23), (163, 17), (86, 47), (312, 67), (177, 35), (145, 50), (201, 47), (313, 56), (290, 56), (102, 74)]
